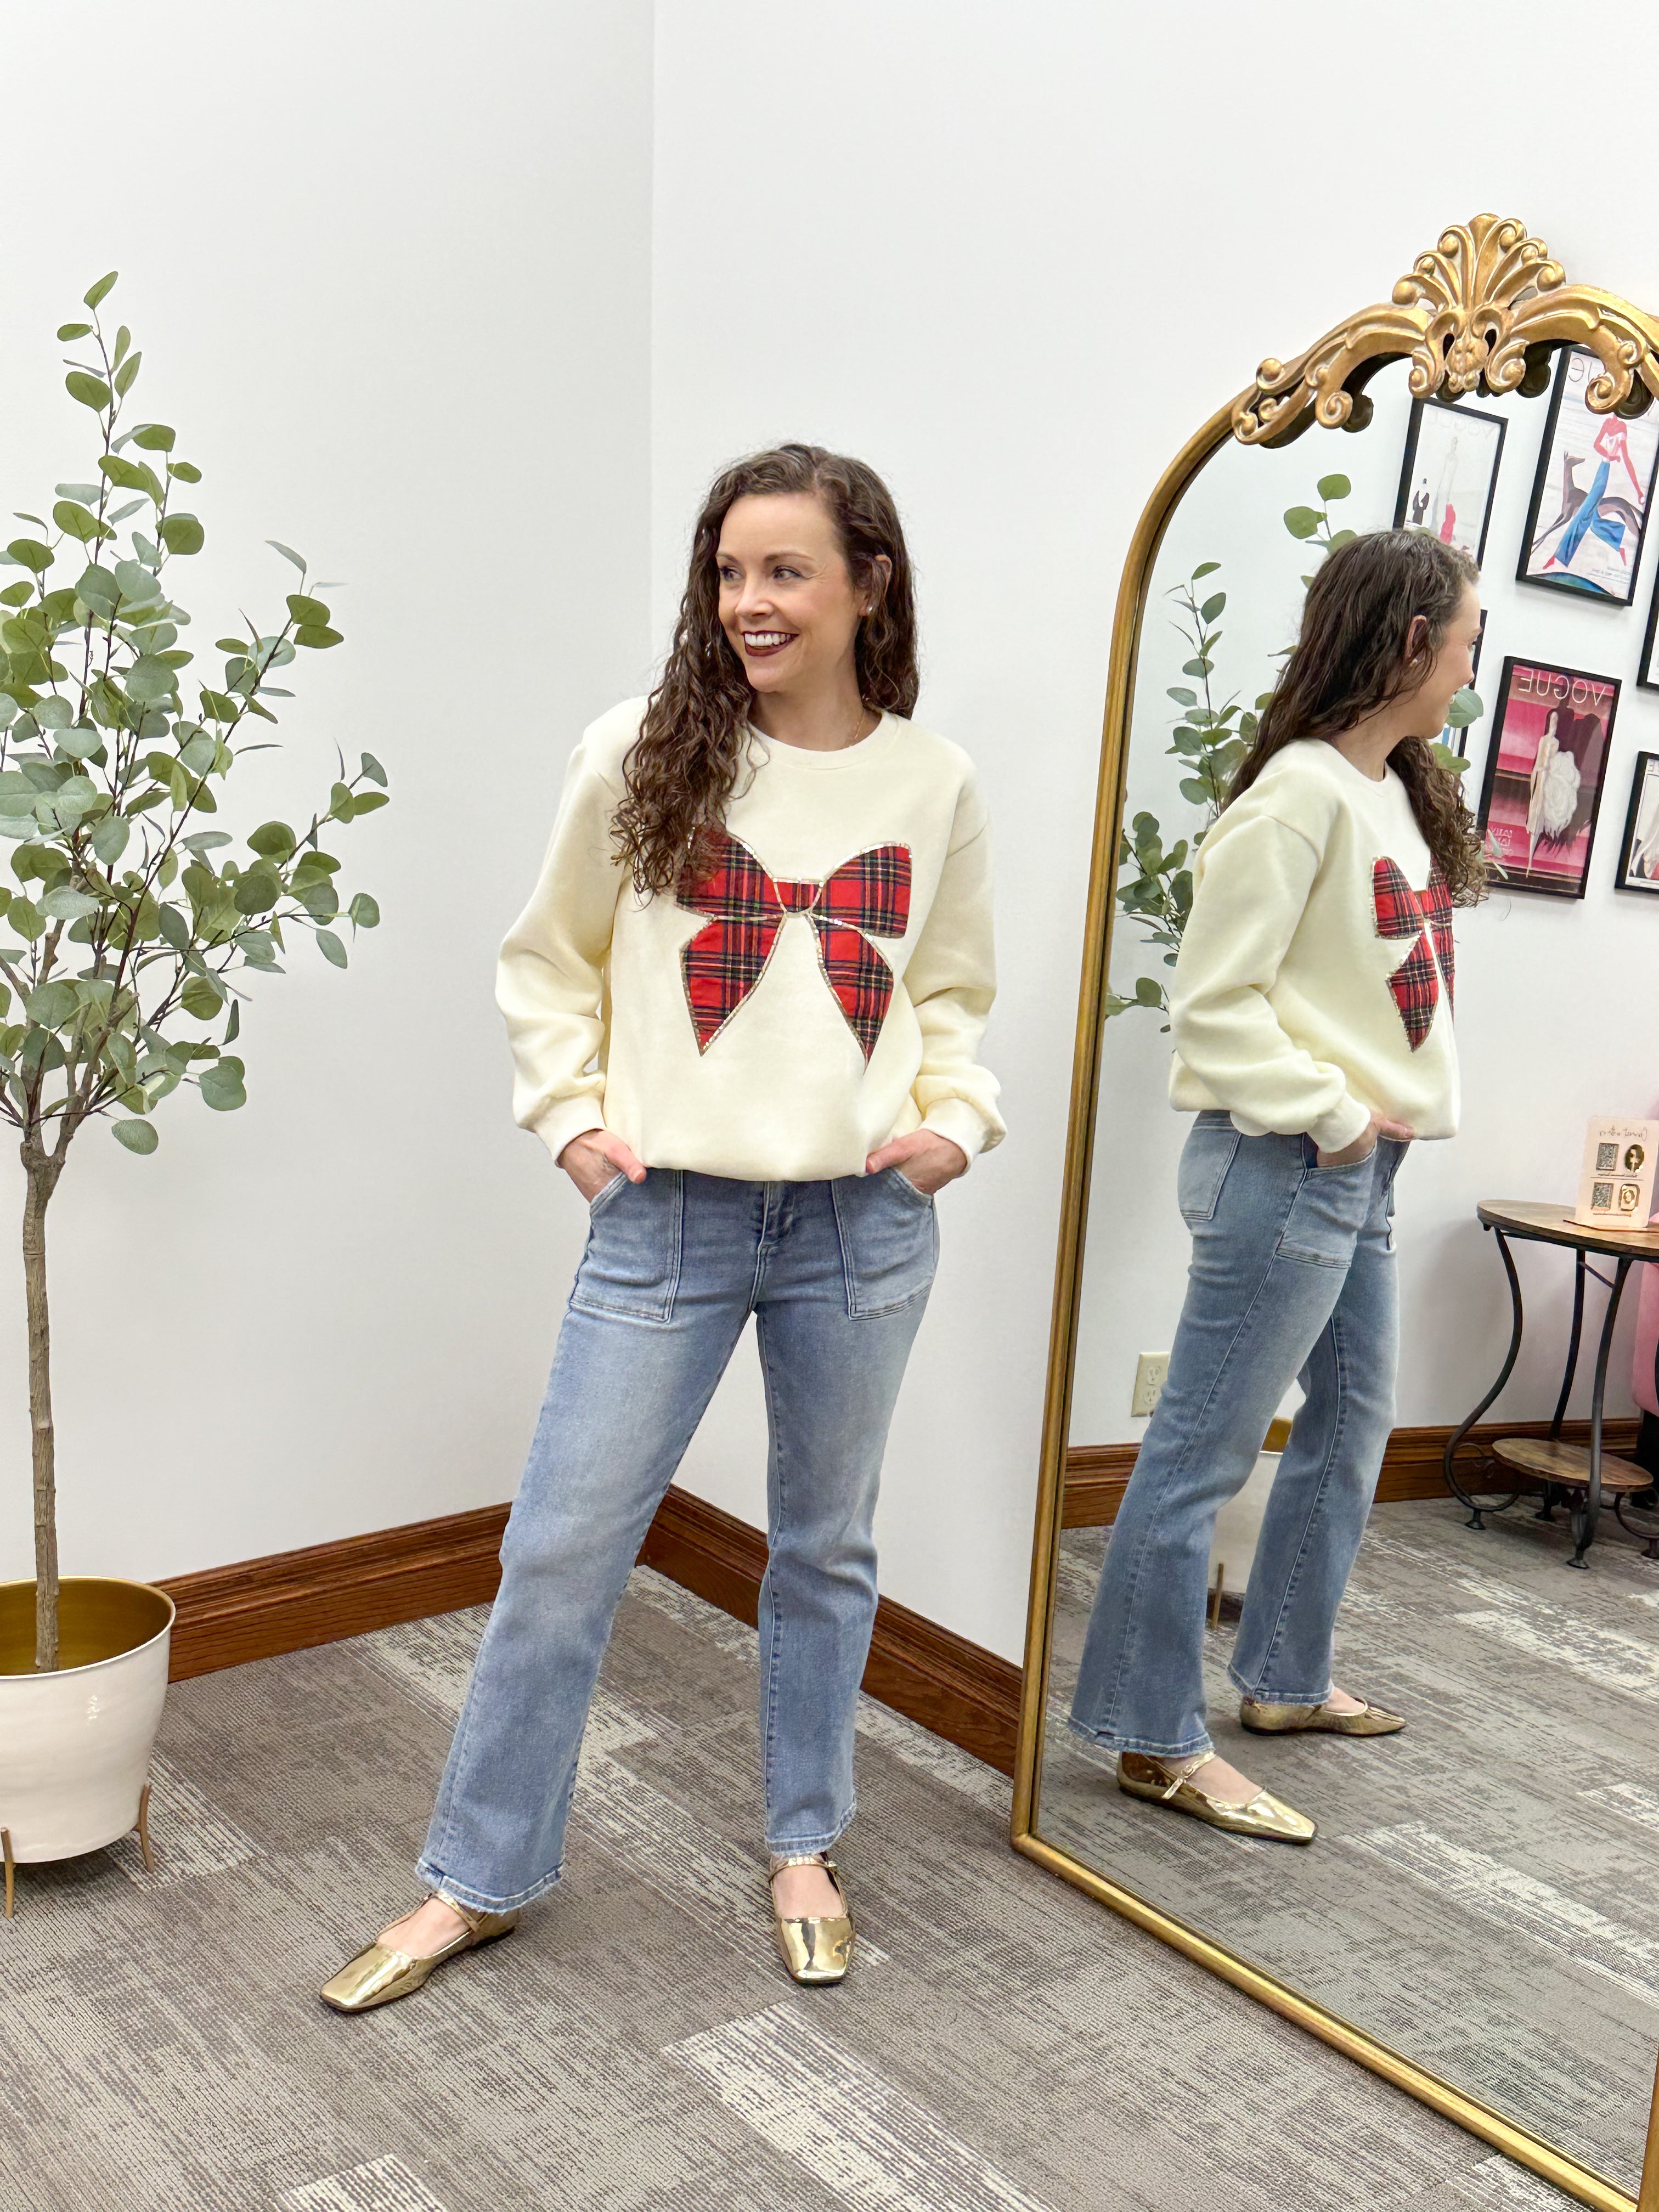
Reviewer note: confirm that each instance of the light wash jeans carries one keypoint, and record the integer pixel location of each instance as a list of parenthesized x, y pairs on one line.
[(837, 1275), (1292, 1277)]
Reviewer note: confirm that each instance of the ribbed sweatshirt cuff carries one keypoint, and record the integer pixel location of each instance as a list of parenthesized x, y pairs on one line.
[(570, 1117), (956, 1119), (1342, 1126)]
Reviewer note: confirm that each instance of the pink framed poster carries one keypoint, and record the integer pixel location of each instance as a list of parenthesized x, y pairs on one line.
[(1546, 766)]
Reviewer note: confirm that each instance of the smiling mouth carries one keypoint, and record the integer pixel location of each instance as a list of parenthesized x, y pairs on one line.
[(759, 643)]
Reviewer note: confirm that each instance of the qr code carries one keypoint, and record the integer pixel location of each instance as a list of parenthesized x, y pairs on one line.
[(1607, 1159), (1602, 1194)]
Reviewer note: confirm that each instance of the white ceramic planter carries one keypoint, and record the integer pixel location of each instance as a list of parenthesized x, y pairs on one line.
[(74, 1744)]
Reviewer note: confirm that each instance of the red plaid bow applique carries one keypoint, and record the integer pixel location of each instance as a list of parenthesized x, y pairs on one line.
[(747, 908), (1402, 912)]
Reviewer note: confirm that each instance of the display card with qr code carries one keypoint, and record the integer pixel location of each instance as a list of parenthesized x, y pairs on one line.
[(1615, 1181)]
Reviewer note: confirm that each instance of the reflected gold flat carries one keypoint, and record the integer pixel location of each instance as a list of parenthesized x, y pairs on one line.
[(380, 1975), (1265, 1816), (815, 1951), (1295, 1720)]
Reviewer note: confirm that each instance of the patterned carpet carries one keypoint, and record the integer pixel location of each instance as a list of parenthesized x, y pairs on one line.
[(1003, 2044), (1481, 1895)]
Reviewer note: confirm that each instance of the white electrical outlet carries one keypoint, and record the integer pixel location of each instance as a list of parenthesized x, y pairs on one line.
[(1151, 1370)]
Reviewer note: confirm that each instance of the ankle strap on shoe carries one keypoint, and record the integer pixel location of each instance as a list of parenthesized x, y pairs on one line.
[(470, 1913), (802, 1858)]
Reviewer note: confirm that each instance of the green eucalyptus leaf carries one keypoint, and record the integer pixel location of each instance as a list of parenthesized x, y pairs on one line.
[(316, 635), (364, 911), (109, 838), (68, 332), (91, 390), (199, 753), (127, 375), (30, 553), (331, 947), (1205, 569), (274, 841), (259, 890), (374, 771), (233, 1027), (102, 288), (182, 533), (53, 1004), (1341, 538), (202, 998), (286, 552), (63, 904), (1302, 521), (222, 1085), (1330, 488), (185, 471), (153, 437), (149, 679), (1212, 609), (173, 927), (307, 610), (1468, 707), (78, 522), (137, 1136)]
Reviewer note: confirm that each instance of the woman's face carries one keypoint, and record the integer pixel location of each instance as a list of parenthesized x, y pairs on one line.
[(787, 601), (1451, 670)]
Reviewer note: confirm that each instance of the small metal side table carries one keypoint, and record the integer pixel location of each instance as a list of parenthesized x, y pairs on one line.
[(1567, 1472)]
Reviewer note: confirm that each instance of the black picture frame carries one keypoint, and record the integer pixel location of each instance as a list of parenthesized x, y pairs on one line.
[(1414, 435), (1646, 767), (1646, 679), (1577, 587), (1527, 879)]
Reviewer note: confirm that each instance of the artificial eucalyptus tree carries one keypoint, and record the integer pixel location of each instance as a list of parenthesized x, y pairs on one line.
[(131, 923)]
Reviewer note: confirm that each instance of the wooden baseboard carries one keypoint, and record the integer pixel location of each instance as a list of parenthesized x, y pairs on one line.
[(293, 1599), (1096, 1476)]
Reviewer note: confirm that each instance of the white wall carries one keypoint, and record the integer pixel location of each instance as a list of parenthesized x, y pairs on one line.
[(390, 271), (1014, 257), (420, 303)]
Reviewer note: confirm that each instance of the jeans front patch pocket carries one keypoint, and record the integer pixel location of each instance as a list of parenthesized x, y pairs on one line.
[(631, 1268), (889, 1233), (1211, 1148), (1327, 1211)]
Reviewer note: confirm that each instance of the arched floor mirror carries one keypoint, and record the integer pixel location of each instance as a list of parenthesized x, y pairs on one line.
[(1479, 1921)]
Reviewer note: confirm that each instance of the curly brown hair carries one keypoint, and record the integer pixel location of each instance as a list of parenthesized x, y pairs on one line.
[(682, 769), (1356, 655)]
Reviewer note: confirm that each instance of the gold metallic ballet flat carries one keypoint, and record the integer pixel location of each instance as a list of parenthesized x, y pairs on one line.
[(814, 1951), (1264, 1815), (380, 1976), (1293, 1720)]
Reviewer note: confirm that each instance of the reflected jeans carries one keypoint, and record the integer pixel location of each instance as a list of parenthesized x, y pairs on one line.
[(1292, 1278), (837, 1276)]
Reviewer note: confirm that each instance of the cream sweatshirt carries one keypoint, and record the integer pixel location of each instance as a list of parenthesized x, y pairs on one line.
[(825, 991), (1315, 975)]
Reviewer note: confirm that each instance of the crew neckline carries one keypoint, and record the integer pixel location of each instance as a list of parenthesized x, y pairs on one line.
[(1371, 782), (821, 763)]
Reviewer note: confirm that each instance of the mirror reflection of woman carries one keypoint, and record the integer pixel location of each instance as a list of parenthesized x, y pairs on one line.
[(1310, 1011), (745, 1004)]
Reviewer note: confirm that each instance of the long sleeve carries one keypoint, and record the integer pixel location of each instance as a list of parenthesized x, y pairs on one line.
[(1252, 893), (550, 981), (951, 981)]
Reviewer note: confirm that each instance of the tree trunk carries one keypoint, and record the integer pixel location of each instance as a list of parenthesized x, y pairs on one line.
[(42, 1172)]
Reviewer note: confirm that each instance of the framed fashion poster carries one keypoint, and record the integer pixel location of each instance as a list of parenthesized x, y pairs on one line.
[(1589, 499), (1638, 857), (1647, 675), (1448, 473), (1545, 767)]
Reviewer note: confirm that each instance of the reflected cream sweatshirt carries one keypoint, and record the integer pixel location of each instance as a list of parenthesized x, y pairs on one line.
[(824, 990), (1316, 977)]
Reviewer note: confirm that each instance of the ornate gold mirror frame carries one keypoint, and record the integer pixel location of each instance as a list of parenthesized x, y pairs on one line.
[(1484, 311)]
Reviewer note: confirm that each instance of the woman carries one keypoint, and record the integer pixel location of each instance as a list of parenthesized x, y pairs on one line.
[(744, 1003), (1311, 1018)]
